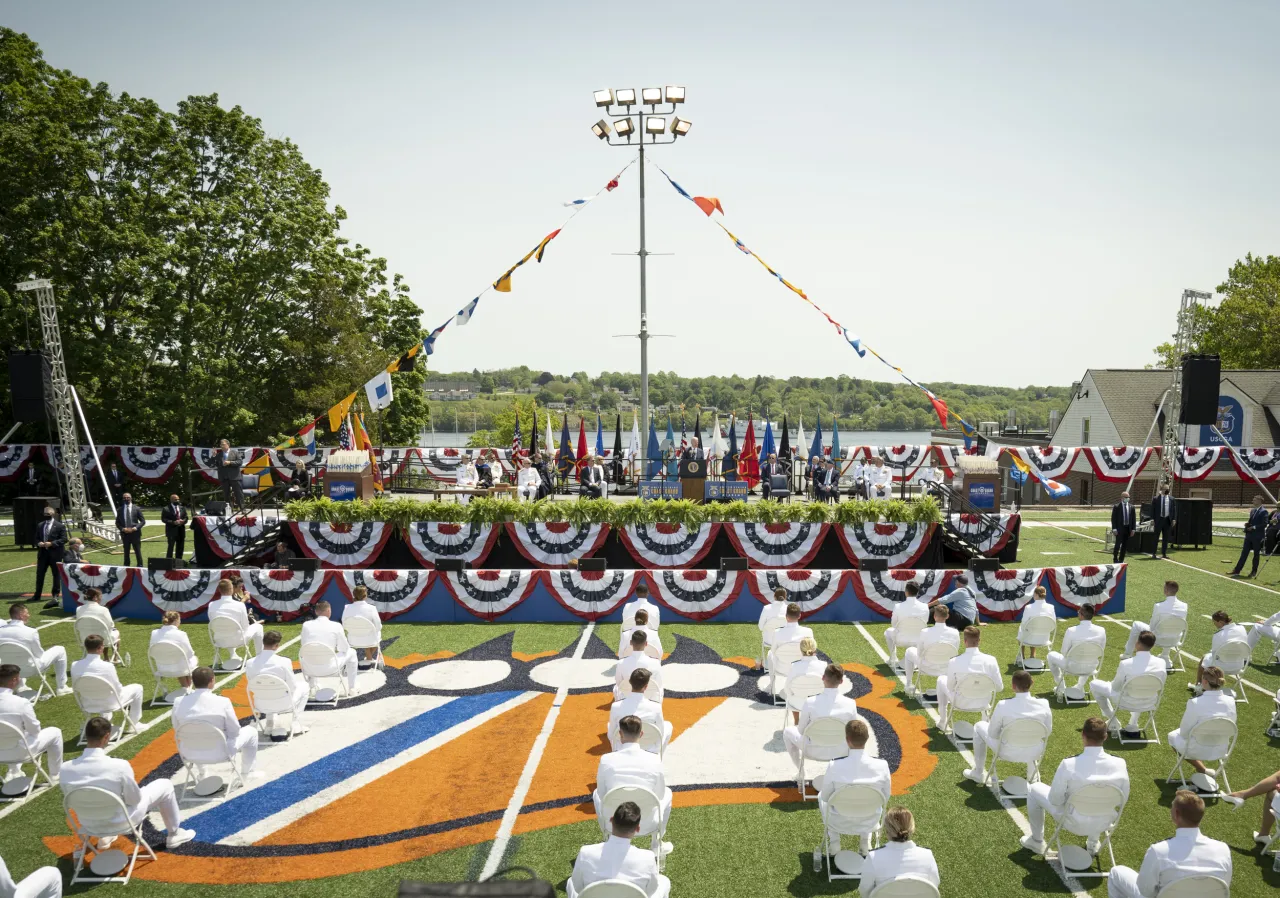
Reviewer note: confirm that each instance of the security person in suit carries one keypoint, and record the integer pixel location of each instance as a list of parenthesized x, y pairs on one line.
[(1165, 515), (115, 481), (129, 521), (1123, 520), (1254, 531), (51, 537), (175, 519), (228, 461), (768, 471)]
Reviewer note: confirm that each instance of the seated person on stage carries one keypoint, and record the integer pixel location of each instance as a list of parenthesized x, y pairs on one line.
[(92, 606), (637, 659), (879, 479), (1092, 765), (21, 714), (1268, 787), (282, 556), (1022, 705), (361, 607), (939, 632), (16, 631), (619, 859), (809, 665), (1211, 702), (1085, 631), (828, 487), (1037, 607), (95, 768), (45, 882), (227, 605), (790, 632), (1188, 853), (910, 607), (1169, 606), (468, 479), (1270, 628), (484, 471), (642, 603), (1142, 662), (94, 664), (971, 661), (651, 636), (328, 632), (858, 490), (299, 482), (827, 703), (1227, 631), (169, 631), (528, 481), (768, 471), (899, 856), (858, 767), (268, 661), (591, 478), (963, 603), (631, 765), (545, 485), (636, 705), (204, 705)]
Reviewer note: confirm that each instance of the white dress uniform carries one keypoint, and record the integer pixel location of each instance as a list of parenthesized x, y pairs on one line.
[(986, 733), (970, 661), (1093, 765), (1269, 628), (880, 480), (1035, 608), (860, 475), (827, 703), (1230, 633), (622, 673), (362, 609), (618, 859), (130, 695), (642, 602), (96, 768), (16, 631), (910, 607), (20, 713), (637, 705), (1085, 631), (1140, 664), (99, 612), (468, 479), (1213, 703), (805, 667), (228, 606), (789, 632), (206, 706), (896, 859), (528, 482), (770, 612), (858, 767), (631, 765), (1188, 853), (272, 662), (328, 632), (1170, 606), (46, 882), (651, 641), (171, 634), (936, 633)]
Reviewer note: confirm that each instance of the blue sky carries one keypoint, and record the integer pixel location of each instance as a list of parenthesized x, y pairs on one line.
[(1001, 193)]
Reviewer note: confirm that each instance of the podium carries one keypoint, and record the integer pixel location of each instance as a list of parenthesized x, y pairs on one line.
[(349, 475), (693, 479), (982, 490)]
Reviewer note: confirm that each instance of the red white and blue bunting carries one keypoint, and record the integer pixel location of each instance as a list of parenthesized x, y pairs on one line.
[(554, 544), (591, 594), (946, 458), (1116, 464), (1002, 593), (784, 544), (668, 545), (391, 592), (206, 460), (229, 535), (284, 460), (1053, 462), (150, 464), (1092, 584), (429, 541), (393, 461), (186, 592), (1261, 463), (990, 533), (490, 594), (811, 590), (1195, 463), (900, 544), (12, 460), (443, 464), (903, 461), (697, 594), (342, 545), (53, 455), (111, 580), (881, 591), (284, 593)]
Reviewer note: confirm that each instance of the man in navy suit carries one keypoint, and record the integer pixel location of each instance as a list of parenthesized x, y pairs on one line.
[(1254, 530), (767, 472), (129, 521), (1122, 522), (51, 537), (1164, 514)]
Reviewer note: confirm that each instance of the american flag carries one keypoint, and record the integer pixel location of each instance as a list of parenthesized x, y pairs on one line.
[(684, 436), (345, 438), (515, 438)]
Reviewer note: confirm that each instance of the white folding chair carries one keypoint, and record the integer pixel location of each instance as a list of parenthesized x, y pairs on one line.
[(650, 815), (28, 667), (1273, 728), (852, 809), (98, 697), (1233, 658), (1091, 812), (932, 663), (168, 661), (1211, 739), (362, 634), (974, 693), (320, 662), (96, 814), (651, 738), (227, 636), (200, 743), (906, 886), (906, 634), (92, 626), (1170, 631), (270, 695), (605, 888), (1021, 741), (1083, 662), (1038, 632), (15, 751), (781, 658), (797, 690), (1197, 887), (823, 741), (774, 623), (1140, 696)]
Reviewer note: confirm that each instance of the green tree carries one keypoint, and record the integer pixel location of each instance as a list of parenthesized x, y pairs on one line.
[(1244, 328)]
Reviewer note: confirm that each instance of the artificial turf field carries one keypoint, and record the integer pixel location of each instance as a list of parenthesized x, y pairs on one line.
[(435, 816)]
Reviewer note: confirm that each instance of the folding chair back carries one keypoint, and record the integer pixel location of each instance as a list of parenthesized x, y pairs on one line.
[(361, 633), (824, 739), (785, 654), (268, 694), (13, 745), (96, 695), (1169, 631), (1232, 656), (96, 813), (1093, 809), (91, 626), (973, 692), (777, 622), (226, 633), (651, 737), (1211, 739), (907, 631), (801, 688), (650, 806), (16, 653), (905, 886), (934, 658), (612, 888), (1022, 741), (202, 742), (168, 659), (1038, 631), (1083, 660), (1196, 887), (1140, 694), (318, 660), (854, 808)]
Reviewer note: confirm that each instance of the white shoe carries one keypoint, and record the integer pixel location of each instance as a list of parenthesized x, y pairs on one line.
[(65, 690), (667, 848), (1035, 846), (974, 775), (1092, 845), (105, 842), (181, 837), (1261, 839), (1236, 803)]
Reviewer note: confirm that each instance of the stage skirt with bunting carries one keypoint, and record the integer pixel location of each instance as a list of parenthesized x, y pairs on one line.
[(668, 545), (206, 460), (342, 545), (900, 545), (1116, 464), (591, 594), (391, 592), (1089, 585), (990, 533), (229, 535), (186, 592), (393, 461), (490, 594), (554, 544), (811, 590), (284, 593), (1052, 462), (113, 581), (150, 464), (784, 544), (945, 456), (881, 591), (283, 460), (1195, 463), (1261, 463), (697, 594), (53, 455), (1001, 594), (430, 541), (443, 464), (904, 461), (12, 460)]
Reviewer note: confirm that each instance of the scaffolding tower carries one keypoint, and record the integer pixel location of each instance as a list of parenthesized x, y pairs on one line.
[(1185, 342)]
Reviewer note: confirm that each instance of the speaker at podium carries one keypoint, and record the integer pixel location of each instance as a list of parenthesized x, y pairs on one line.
[(693, 479)]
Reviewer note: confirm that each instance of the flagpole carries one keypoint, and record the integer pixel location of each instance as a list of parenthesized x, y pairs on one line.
[(644, 315)]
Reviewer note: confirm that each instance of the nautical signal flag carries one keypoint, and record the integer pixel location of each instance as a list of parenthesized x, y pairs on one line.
[(378, 391), (542, 247), (308, 437), (465, 313), (708, 204), (503, 284), (407, 361), (338, 412), (429, 344)]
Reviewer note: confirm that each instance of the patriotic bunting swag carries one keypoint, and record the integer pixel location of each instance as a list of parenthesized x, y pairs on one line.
[(881, 591), (391, 592), (1090, 585), (554, 544), (1261, 463), (591, 594), (113, 581), (490, 594), (186, 592), (150, 464), (1001, 594), (12, 460), (811, 590), (668, 545), (392, 462), (697, 594), (1051, 461), (342, 545), (784, 544), (945, 456), (284, 593), (990, 533), (900, 545), (904, 461), (1116, 464), (1195, 463), (443, 464), (283, 460), (429, 541), (53, 455), (229, 535)]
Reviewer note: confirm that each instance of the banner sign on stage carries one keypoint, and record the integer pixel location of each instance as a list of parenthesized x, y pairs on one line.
[(391, 592), (229, 535), (1230, 422), (112, 582), (284, 594), (727, 490), (1116, 464), (883, 590), (591, 594), (553, 544), (490, 594), (811, 590), (150, 464), (659, 489), (341, 545)]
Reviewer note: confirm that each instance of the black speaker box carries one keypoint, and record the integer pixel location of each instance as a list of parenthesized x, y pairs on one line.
[(450, 565), (216, 507), (591, 564), (1201, 376), (163, 564), (733, 564), (28, 384), (304, 564), (984, 564), (873, 564), (1194, 524)]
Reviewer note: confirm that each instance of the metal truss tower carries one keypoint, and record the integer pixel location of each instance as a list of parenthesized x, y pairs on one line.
[(1186, 341)]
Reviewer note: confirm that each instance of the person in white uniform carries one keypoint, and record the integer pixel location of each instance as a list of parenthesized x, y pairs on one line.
[(1270, 628), (971, 661), (468, 479), (1092, 765), (1085, 631), (859, 477), (775, 610), (939, 632), (641, 602), (1188, 853), (910, 608), (528, 481), (619, 859), (93, 663), (879, 479), (636, 705), (170, 631), (651, 636), (1023, 706), (631, 765), (634, 661), (328, 632), (204, 705), (17, 632), (827, 703), (809, 665), (227, 605), (20, 713), (899, 856), (45, 882), (361, 607), (1142, 663), (858, 767), (269, 661), (95, 768), (91, 606), (1269, 787), (789, 632), (1211, 702), (1037, 607), (1227, 631), (1169, 606)]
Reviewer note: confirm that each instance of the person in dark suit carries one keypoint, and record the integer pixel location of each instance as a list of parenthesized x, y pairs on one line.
[(540, 465), (283, 555), (1123, 521), (115, 482), (768, 471), (51, 537), (1164, 514), (1273, 533), (175, 520), (228, 462), (129, 521), (1254, 531), (299, 482), (828, 486), (694, 452), (591, 478)]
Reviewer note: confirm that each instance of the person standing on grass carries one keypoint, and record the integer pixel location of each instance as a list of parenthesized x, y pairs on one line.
[(51, 538), (1255, 530)]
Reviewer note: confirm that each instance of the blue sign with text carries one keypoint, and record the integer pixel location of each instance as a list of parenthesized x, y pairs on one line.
[(982, 495), (342, 490), (1230, 422)]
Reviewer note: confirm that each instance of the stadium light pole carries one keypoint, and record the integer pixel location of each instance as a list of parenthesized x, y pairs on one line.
[(617, 105)]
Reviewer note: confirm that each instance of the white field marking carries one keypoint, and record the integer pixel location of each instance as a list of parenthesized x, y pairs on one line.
[(142, 728), (507, 826), (1019, 819), (1057, 553), (1198, 658), (61, 620)]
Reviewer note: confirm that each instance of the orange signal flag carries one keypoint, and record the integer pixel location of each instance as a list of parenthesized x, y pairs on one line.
[(708, 204)]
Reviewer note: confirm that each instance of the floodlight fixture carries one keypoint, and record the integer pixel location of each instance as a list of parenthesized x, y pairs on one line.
[(651, 96), (624, 127), (604, 98), (600, 129), (680, 126), (624, 96), (675, 94), (655, 124)]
